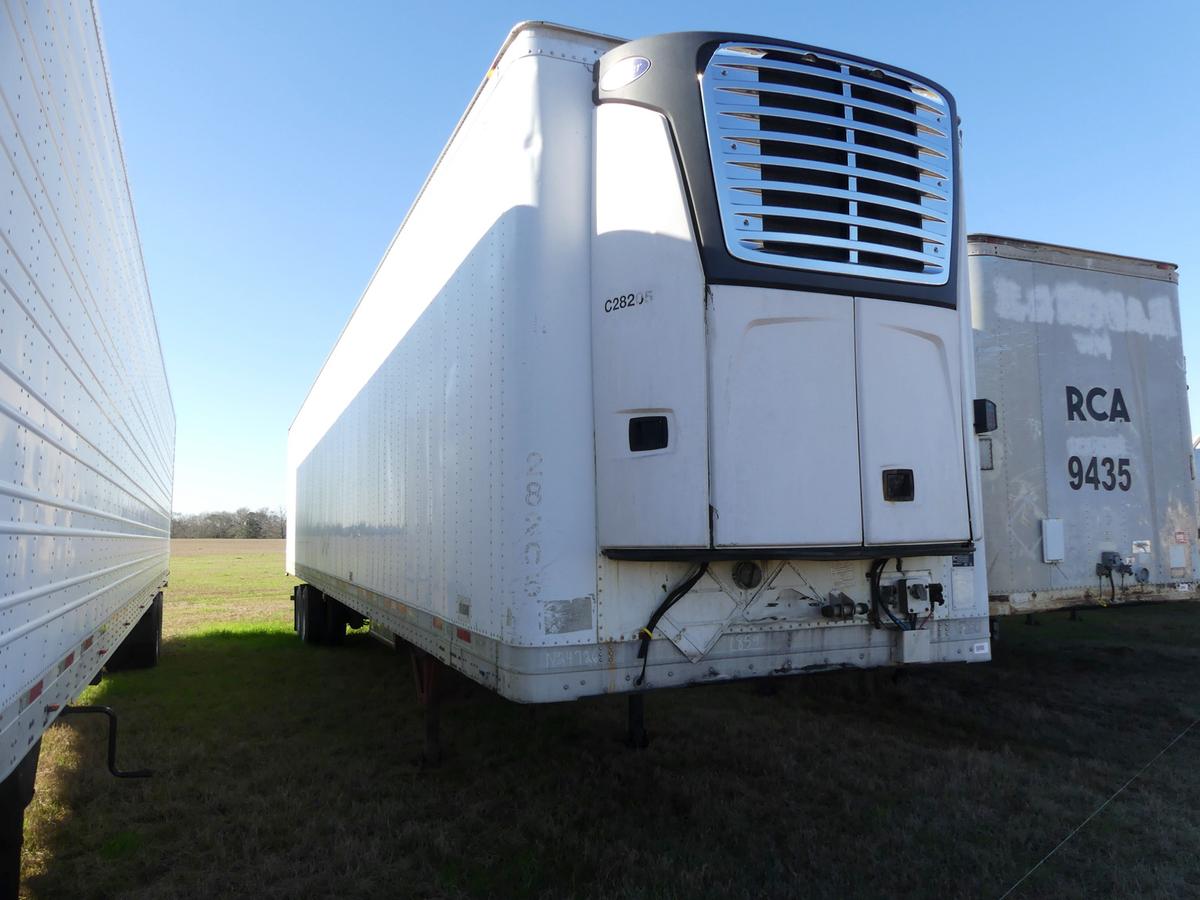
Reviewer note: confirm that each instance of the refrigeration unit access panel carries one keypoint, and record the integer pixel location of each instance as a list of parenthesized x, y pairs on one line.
[(778, 352)]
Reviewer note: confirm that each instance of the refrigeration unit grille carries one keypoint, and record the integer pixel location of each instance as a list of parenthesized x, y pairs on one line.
[(827, 164)]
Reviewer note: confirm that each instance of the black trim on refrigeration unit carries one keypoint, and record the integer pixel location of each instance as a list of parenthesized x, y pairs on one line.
[(671, 86), (703, 554)]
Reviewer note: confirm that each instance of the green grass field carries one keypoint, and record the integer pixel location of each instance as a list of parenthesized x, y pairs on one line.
[(285, 770)]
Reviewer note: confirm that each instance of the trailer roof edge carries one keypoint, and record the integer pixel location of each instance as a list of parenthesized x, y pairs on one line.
[(983, 244), (517, 30)]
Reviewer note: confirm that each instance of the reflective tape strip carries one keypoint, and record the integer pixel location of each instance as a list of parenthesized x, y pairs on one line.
[(34, 693)]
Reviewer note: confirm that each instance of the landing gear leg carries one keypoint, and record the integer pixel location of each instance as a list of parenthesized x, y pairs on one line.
[(868, 683), (15, 793), (766, 687), (425, 675), (637, 737)]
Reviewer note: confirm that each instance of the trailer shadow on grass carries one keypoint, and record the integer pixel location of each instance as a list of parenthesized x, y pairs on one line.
[(286, 770)]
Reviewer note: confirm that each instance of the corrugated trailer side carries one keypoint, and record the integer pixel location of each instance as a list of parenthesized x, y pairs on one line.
[(444, 454), (1088, 482), (87, 426)]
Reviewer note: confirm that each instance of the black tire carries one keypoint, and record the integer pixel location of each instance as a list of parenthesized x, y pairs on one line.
[(142, 645), (310, 608), (335, 622)]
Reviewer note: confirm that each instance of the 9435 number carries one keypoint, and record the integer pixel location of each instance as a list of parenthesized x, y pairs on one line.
[(1104, 473)]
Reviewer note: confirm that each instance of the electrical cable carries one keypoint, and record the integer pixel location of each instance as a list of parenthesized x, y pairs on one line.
[(676, 594), (873, 586), (873, 576)]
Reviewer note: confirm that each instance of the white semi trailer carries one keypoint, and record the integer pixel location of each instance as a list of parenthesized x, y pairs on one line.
[(87, 426), (666, 378), (1089, 482)]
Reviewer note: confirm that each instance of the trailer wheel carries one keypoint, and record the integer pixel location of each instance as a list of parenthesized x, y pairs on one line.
[(335, 621), (310, 607), (141, 646)]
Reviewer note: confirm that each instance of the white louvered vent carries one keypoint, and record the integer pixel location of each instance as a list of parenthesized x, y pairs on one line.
[(830, 165)]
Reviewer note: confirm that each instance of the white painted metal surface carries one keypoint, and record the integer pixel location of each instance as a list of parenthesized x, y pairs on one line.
[(910, 363), (782, 453), (87, 425), (1083, 355), (462, 471), (646, 275)]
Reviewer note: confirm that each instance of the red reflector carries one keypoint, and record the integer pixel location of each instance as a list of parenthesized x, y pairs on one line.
[(463, 634), (35, 692), (87, 643), (438, 623), (66, 663)]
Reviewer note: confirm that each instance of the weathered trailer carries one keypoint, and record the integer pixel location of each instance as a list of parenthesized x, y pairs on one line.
[(86, 420), (1089, 482), (666, 378)]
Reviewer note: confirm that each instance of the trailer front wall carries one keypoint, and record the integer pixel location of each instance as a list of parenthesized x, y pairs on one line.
[(87, 427), (459, 478), (1082, 355)]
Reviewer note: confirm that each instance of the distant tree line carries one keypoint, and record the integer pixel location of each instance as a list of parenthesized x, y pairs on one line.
[(243, 523)]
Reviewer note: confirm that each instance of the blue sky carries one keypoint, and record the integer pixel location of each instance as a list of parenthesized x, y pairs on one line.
[(273, 149)]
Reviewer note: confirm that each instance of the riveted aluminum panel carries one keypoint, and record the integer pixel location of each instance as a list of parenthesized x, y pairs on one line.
[(87, 426), (1083, 356), (459, 475)]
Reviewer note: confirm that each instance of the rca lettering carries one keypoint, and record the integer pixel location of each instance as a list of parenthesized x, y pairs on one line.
[(1097, 405)]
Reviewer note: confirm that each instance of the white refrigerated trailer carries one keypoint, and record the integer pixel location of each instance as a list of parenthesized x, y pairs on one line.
[(665, 379), (1089, 482), (86, 421)]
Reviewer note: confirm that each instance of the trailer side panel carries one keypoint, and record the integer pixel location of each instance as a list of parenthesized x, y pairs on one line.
[(1083, 355), (87, 426)]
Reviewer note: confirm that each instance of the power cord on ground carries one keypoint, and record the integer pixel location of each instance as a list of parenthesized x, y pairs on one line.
[(1099, 809)]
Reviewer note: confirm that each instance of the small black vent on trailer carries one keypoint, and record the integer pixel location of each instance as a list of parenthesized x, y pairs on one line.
[(647, 433)]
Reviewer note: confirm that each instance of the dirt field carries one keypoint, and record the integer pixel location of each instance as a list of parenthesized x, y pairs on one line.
[(285, 770)]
